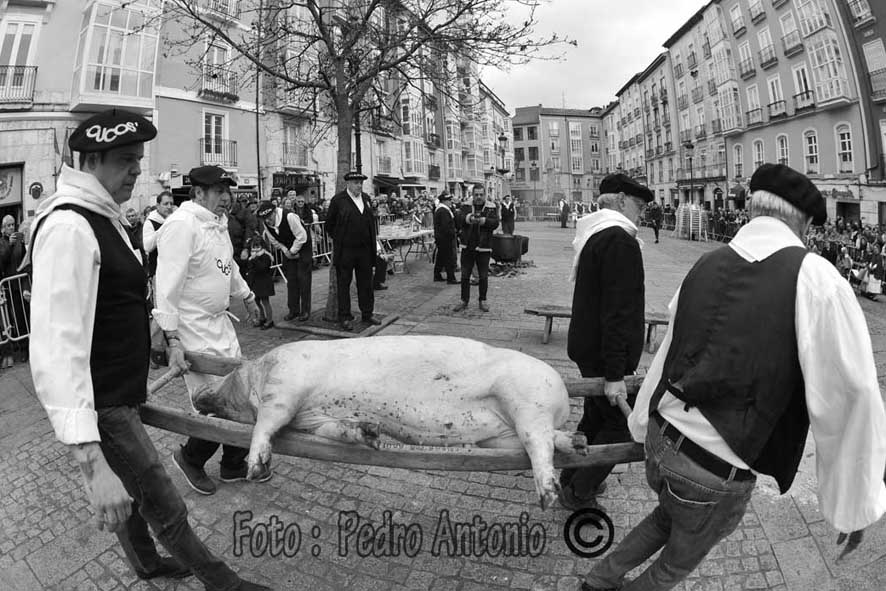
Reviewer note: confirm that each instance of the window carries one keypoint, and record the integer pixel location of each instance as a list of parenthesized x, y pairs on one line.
[(17, 45), (575, 131), (213, 137), (533, 174), (860, 9), (532, 133), (521, 175), (844, 148), (554, 128), (730, 105), (116, 51), (753, 97), (801, 79), (533, 152), (577, 163), (758, 154), (810, 140), (518, 134), (788, 24), (827, 69), (405, 119), (781, 149), (736, 17), (812, 16), (737, 158), (453, 135), (518, 154), (555, 162), (774, 86), (555, 146)]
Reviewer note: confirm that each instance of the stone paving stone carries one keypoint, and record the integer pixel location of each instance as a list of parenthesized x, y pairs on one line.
[(801, 565)]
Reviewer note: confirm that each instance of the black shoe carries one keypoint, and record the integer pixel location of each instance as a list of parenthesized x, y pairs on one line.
[(303, 317), (483, 306), (453, 282), (347, 325), (439, 279), (169, 567), (382, 287), (266, 325), (195, 476), (371, 320), (460, 306), (289, 317), (569, 500), (226, 474)]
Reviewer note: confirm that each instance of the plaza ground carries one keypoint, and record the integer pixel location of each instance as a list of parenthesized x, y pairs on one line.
[(47, 539)]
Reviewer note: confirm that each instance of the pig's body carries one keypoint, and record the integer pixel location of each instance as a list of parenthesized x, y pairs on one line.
[(426, 390)]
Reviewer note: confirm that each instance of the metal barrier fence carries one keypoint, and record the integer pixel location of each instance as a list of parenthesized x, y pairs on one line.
[(321, 244), (15, 308)]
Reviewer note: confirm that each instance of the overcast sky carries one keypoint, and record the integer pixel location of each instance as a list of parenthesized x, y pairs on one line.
[(616, 39)]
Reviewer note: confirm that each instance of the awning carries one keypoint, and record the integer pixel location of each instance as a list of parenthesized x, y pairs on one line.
[(388, 181), (737, 192)]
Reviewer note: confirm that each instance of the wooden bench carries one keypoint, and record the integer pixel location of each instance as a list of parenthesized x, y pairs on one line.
[(550, 312)]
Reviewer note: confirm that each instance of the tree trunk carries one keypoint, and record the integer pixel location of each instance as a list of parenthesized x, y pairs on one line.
[(345, 118)]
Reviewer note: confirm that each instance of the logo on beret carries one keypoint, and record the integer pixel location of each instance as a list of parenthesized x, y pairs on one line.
[(107, 135)]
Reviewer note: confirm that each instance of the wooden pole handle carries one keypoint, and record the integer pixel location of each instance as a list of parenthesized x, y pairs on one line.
[(624, 406), (162, 381)]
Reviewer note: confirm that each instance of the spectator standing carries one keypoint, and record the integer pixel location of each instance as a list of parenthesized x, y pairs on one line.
[(285, 232), (564, 213), (444, 239), (474, 224), (12, 252), (89, 359), (152, 223), (135, 230), (508, 216), (261, 281), (196, 278), (655, 215), (242, 228), (608, 319), (734, 390), (350, 222)]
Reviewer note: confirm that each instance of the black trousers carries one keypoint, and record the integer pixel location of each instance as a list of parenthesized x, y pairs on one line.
[(445, 261), (381, 271), (507, 227), (298, 285), (198, 451), (469, 258), (601, 423), (656, 228), (357, 262)]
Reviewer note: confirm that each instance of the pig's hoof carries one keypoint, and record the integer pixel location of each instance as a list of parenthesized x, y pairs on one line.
[(580, 443), (259, 472), (370, 433), (549, 494)]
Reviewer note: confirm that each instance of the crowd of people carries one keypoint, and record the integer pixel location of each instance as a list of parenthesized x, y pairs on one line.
[(13, 241)]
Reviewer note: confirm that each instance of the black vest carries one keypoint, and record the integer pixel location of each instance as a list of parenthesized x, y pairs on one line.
[(121, 341), (283, 234), (302, 215), (734, 356)]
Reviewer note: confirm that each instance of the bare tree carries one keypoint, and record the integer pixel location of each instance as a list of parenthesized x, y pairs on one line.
[(346, 57)]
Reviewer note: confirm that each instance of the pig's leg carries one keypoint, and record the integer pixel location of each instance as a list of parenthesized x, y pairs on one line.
[(535, 429), (350, 431), (273, 415), (570, 443)]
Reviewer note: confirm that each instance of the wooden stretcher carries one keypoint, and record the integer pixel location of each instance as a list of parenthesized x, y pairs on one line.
[(391, 455)]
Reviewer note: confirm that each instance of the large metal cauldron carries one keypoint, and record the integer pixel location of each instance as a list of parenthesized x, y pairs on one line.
[(508, 249)]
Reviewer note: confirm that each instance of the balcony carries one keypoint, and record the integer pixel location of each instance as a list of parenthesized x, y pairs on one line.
[(685, 136), (716, 126), (658, 150), (654, 99), (691, 61), (650, 153), (218, 151), (778, 109), (622, 144), (792, 43), (639, 138), (678, 70), (656, 126), (768, 57), (433, 140), (738, 27), (746, 68), (666, 121), (636, 111), (632, 142), (218, 84), (804, 100), (757, 12), (777, 3), (295, 155), (706, 50), (697, 94), (815, 23), (383, 165), (682, 102), (17, 86), (861, 12), (594, 134), (225, 10), (878, 85), (382, 124), (668, 147), (700, 132), (755, 117), (712, 87), (664, 95), (433, 172)]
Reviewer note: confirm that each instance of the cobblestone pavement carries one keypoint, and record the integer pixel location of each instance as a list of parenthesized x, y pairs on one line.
[(47, 540)]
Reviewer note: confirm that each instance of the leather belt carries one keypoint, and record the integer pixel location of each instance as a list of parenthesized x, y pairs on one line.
[(699, 455)]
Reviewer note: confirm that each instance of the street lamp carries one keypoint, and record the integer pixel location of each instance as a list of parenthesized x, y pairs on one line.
[(690, 146), (502, 139)]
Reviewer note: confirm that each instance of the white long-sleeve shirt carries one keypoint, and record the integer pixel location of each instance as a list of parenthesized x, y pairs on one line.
[(846, 409), (149, 234), (66, 262), (297, 228)]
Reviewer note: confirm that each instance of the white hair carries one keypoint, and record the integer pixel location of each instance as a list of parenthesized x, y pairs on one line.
[(615, 201), (764, 203)]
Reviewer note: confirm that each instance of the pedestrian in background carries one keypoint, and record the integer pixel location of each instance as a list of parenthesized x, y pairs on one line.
[(152, 223), (196, 278), (475, 223), (734, 390), (90, 342), (508, 216), (564, 213), (608, 320), (351, 224), (654, 215), (444, 239), (284, 231), (260, 278)]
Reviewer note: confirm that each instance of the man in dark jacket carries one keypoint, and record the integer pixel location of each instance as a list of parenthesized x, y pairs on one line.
[(350, 222), (508, 216), (608, 316), (475, 224), (444, 238), (655, 215)]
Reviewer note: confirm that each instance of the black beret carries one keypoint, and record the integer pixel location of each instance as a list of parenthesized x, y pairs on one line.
[(264, 208), (444, 197), (355, 176), (207, 176), (793, 187), (111, 129), (622, 183)]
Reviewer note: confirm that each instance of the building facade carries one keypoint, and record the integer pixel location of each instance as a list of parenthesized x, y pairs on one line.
[(659, 112), (558, 154)]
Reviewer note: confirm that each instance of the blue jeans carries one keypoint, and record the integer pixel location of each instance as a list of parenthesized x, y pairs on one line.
[(696, 509), (132, 457)]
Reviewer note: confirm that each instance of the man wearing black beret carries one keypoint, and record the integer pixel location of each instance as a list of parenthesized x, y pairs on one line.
[(608, 315), (766, 340), (90, 345), (351, 224)]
